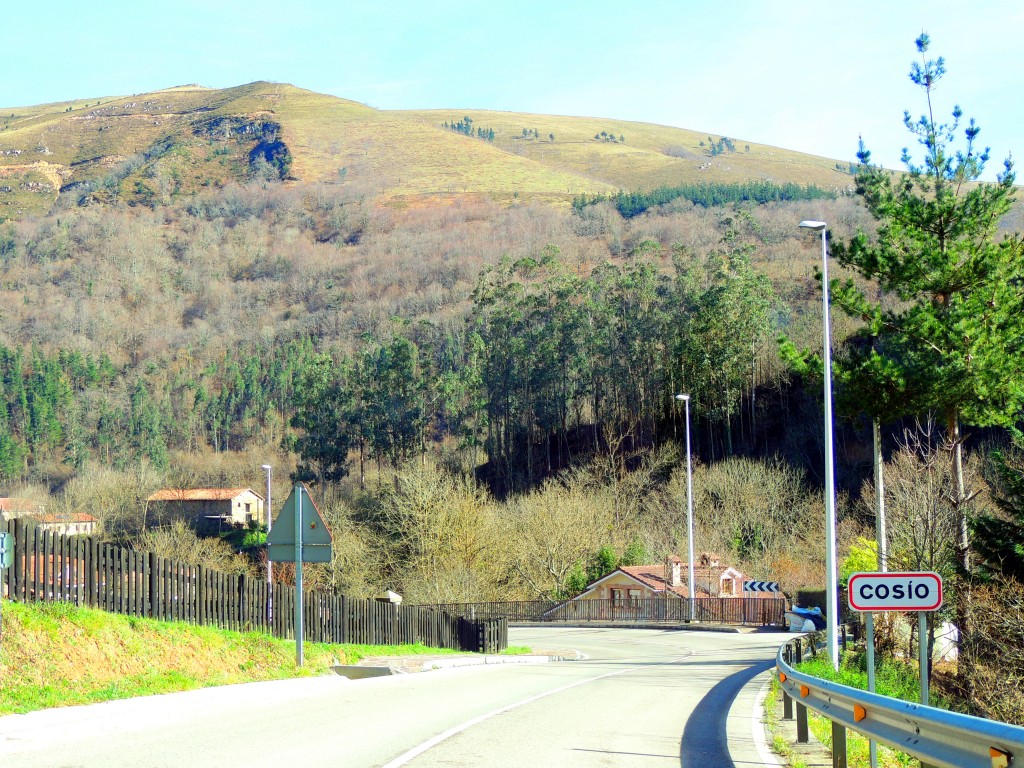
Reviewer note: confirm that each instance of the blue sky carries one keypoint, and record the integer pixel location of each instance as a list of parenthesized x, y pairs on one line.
[(810, 76)]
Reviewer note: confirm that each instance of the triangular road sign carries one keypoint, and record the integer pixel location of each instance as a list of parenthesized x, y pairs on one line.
[(316, 539)]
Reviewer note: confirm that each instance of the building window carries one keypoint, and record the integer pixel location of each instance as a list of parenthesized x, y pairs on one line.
[(617, 596), (727, 588)]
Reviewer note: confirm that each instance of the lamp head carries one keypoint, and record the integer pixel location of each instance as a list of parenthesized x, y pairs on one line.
[(682, 397), (817, 226), (265, 467)]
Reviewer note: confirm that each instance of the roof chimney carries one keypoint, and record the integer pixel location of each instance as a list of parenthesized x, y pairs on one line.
[(675, 571)]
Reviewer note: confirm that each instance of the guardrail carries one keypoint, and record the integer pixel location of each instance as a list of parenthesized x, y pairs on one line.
[(938, 738)]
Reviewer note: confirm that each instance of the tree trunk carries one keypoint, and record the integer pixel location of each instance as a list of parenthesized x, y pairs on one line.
[(960, 501), (962, 605)]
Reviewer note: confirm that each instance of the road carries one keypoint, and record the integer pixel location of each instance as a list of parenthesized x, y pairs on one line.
[(649, 698)]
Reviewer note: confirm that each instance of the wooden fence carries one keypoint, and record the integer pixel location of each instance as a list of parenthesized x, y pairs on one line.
[(48, 566), (706, 610)]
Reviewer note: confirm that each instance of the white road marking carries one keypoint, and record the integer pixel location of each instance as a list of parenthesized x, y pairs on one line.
[(433, 742), (757, 725)]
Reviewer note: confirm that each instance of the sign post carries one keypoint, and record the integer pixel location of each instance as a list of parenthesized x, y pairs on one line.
[(919, 592), (299, 535)]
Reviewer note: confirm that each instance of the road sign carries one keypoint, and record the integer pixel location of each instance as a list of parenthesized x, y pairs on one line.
[(6, 550), (761, 586), (316, 539), (299, 535), (920, 591)]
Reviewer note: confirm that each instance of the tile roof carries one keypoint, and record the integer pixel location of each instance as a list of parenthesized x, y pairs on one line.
[(653, 576), (200, 494), (16, 504), (64, 518)]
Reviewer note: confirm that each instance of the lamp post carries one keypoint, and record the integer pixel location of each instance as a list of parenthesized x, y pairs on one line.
[(831, 585), (267, 513), (689, 503)]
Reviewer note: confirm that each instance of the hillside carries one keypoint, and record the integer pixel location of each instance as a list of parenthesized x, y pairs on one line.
[(155, 147), (59, 655)]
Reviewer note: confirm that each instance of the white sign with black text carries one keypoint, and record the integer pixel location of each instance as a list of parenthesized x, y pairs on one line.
[(920, 591)]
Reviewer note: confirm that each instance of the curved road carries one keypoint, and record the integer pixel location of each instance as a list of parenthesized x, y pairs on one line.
[(650, 698)]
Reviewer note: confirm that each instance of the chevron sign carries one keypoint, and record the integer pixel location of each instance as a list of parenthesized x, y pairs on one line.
[(760, 586)]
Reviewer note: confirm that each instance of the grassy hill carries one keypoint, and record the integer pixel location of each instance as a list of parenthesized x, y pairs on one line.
[(54, 655), (151, 148)]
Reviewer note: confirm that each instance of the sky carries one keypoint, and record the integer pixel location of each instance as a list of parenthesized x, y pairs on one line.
[(808, 76)]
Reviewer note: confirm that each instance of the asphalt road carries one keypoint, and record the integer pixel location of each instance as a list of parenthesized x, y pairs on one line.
[(644, 698)]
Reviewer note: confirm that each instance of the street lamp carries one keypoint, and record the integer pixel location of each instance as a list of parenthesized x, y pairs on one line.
[(689, 501), (831, 585), (267, 509)]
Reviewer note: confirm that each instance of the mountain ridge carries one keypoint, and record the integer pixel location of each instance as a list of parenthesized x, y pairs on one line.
[(153, 147)]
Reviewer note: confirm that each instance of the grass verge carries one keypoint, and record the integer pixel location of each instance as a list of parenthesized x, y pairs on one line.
[(55, 655), (892, 678)]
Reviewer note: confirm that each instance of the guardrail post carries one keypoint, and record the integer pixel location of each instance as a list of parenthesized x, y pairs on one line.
[(801, 724), (838, 745), (787, 700), (802, 736)]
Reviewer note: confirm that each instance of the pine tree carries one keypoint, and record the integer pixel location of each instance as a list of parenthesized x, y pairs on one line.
[(955, 332), (999, 540), (950, 322)]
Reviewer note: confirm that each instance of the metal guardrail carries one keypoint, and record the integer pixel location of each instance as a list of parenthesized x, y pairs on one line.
[(934, 736)]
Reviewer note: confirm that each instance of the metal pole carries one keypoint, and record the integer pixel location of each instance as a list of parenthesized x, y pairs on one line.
[(831, 602), (268, 514), (831, 578), (869, 626), (922, 642), (880, 535), (689, 508), (298, 576)]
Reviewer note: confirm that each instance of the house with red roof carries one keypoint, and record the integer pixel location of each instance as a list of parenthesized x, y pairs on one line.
[(12, 507), (206, 509), (67, 523), (712, 578)]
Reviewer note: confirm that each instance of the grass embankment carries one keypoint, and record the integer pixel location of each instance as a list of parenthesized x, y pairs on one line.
[(892, 678), (55, 655)]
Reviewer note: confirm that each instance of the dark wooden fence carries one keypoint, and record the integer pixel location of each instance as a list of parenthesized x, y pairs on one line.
[(48, 566), (706, 610)]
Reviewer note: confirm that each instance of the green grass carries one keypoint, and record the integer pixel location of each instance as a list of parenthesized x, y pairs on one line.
[(857, 754), (892, 678), (517, 650), (54, 654)]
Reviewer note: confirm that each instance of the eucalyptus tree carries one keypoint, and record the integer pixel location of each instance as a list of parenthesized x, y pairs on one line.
[(529, 320), (324, 409), (393, 394), (724, 309)]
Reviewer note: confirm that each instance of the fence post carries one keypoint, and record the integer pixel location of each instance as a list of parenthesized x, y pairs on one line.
[(153, 586)]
